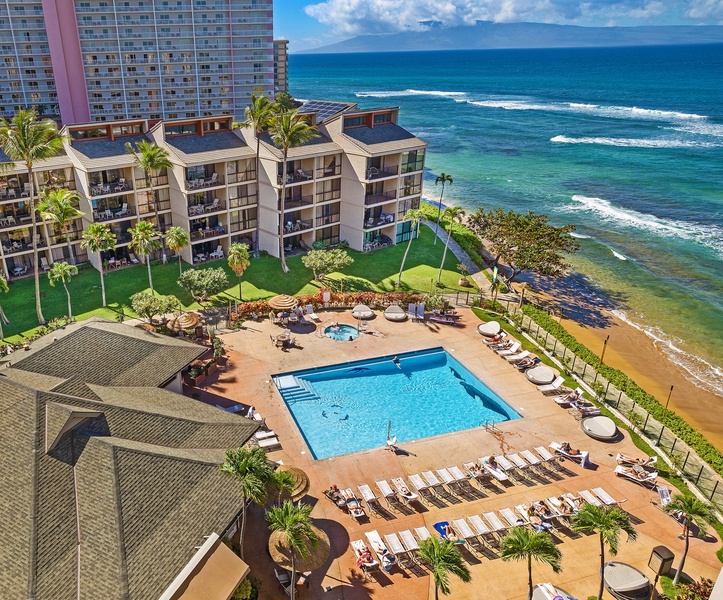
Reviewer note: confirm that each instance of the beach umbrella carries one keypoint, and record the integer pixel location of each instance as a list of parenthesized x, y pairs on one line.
[(301, 481), (184, 321), (281, 552), (283, 302)]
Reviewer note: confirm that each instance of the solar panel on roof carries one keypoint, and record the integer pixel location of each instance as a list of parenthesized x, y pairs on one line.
[(323, 109)]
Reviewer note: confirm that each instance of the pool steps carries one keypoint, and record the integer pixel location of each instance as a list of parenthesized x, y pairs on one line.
[(294, 389)]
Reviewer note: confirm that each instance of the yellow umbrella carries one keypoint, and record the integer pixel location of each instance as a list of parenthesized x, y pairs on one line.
[(301, 481), (283, 302), (281, 552), (184, 321)]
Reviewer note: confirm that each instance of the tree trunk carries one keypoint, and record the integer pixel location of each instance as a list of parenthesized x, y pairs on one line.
[(258, 221), (404, 258), (67, 293), (180, 264), (150, 278), (71, 256), (436, 592), (282, 255), (439, 214), (444, 256), (243, 528), (679, 572), (601, 589), (239, 288), (151, 192), (33, 241), (102, 281), (293, 573), (529, 577)]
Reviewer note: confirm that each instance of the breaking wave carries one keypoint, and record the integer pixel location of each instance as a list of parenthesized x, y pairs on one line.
[(633, 142)]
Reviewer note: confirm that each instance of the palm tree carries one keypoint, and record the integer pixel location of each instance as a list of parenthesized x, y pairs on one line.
[(254, 473), (288, 129), (238, 260), (99, 238), (693, 510), (60, 207), (608, 522), (152, 159), (524, 544), (4, 288), (63, 272), (453, 213), (443, 558), (258, 116), (144, 241), (177, 239), (415, 216), (443, 179), (26, 139), (295, 523)]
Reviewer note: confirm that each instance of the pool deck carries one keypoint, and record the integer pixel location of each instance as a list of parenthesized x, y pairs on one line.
[(252, 358)]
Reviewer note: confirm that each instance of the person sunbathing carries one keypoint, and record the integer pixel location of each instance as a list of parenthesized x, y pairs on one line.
[(567, 449), (388, 559), (537, 523), (636, 473), (564, 507), (490, 460), (573, 396), (543, 510), (449, 533), (365, 557), (527, 363), (475, 469), (496, 338), (637, 461), (578, 501)]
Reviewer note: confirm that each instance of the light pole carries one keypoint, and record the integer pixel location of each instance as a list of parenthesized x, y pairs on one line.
[(670, 393), (602, 356)]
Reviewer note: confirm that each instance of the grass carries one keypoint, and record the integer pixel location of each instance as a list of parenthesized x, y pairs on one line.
[(264, 278)]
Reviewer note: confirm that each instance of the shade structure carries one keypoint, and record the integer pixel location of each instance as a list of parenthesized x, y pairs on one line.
[(489, 329), (301, 481), (184, 321), (541, 375), (362, 311), (283, 302), (281, 552)]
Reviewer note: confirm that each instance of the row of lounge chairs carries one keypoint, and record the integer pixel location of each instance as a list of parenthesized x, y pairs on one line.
[(479, 532)]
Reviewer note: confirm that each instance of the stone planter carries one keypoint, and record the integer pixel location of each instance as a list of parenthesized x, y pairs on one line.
[(211, 368), (463, 282)]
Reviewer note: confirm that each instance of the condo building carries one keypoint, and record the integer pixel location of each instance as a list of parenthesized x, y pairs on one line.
[(83, 61), (281, 66), (355, 182)]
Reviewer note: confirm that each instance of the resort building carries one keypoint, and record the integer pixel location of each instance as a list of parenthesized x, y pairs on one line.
[(111, 480), (354, 182), (86, 61), (281, 66)]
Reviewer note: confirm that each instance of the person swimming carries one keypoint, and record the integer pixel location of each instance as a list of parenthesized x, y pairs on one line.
[(397, 362)]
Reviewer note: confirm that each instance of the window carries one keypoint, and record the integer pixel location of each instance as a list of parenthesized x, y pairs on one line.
[(215, 125), (329, 189), (354, 122), (383, 118), (328, 235), (328, 214), (405, 231), (412, 161)]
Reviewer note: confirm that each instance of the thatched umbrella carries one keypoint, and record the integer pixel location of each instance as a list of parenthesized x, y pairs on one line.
[(300, 479), (281, 552), (184, 321), (283, 302)]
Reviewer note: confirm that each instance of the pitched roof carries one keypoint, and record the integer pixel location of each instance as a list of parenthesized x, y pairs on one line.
[(316, 147), (217, 146), (383, 138), (109, 493), (95, 154)]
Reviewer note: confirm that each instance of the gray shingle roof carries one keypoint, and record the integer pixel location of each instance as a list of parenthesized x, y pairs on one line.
[(104, 153), (387, 137), (317, 147), (134, 476), (217, 146)]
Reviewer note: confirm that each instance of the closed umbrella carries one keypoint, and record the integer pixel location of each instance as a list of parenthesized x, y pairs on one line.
[(281, 552), (301, 481), (283, 302), (185, 321)]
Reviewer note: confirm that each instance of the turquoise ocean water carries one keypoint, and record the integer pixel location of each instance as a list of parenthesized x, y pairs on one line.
[(626, 143)]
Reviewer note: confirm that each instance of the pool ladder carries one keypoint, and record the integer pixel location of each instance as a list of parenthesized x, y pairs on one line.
[(489, 426)]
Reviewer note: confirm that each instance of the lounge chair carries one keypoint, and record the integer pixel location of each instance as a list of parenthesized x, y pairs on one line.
[(218, 253), (547, 591), (303, 175), (507, 466), (264, 435), (513, 358), (557, 507), (489, 329), (497, 473), (484, 533), (664, 495), (495, 524), (625, 582), (282, 576), (460, 478), (386, 559), (628, 461), (44, 263), (311, 314), (410, 543), (358, 547), (395, 313), (463, 530), (534, 461), (498, 339), (396, 548), (233, 409), (422, 533), (412, 310), (573, 501), (432, 481), (582, 457), (606, 498), (518, 461), (443, 528), (421, 487), (510, 351), (389, 495), (638, 475), (547, 458), (590, 498), (406, 494), (551, 388), (512, 519), (361, 311), (478, 475), (368, 496), (271, 443), (420, 312), (133, 259), (352, 504), (447, 478)]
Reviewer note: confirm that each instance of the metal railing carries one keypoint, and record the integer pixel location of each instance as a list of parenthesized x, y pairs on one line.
[(377, 198)]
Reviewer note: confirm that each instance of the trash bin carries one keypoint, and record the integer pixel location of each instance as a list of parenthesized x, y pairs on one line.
[(661, 560)]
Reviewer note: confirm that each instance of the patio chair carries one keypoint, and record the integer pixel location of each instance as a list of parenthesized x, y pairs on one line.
[(496, 525), (582, 457), (311, 314), (404, 492), (479, 475), (215, 205), (588, 497), (44, 263), (412, 311), (26, 190), (218, 253), (360, 548), (664, 495), (512, 519), (120, 185), (397, 549), (547, 458), (123, 211), (422, 533), (512, 350), (303, 175), (628, 461), (460, 479), (638, 475), (368, 496), (384, 555), (606, 498), (270, 444), (432, 481), (519, 462), (420, 486), (447, 478), (389, 495), (282, 577), (352, 504), (509, 468), (513, 358), (133, 258), (420, 312), (496, 472), (463, 530), (551, 388), (410, 544), (213, 180), (484, 533)]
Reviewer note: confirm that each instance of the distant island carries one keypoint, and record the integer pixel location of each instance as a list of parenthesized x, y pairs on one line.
[(489, 35)]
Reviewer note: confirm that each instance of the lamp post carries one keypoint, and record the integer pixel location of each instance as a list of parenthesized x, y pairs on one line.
[(670, 393), (602, 356)]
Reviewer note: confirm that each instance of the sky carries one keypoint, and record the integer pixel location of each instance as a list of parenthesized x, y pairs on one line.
[(310, 24)]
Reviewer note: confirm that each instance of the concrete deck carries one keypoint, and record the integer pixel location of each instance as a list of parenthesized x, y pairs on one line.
[(252, 359)]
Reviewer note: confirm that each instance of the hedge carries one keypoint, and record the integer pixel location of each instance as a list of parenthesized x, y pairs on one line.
[(672, 421)]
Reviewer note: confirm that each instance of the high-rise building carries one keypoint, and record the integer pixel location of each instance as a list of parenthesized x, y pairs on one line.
[(82, 61), (281, 65)]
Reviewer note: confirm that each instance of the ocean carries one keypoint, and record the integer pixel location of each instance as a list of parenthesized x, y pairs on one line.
[(625, 143)]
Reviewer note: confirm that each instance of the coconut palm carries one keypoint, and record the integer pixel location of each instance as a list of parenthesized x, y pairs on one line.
[(692, 510), (177, 239), (4, 288), (63, 272), (99, 238), (258, 116), (144, 241), (60, 207), (415, 217), (453, 213), (521, 543), (152, 159), (443, 558), (443, 179), (288, 129), (27, 139), (294, 521), (254, 473), (238, 260), (608, 522)]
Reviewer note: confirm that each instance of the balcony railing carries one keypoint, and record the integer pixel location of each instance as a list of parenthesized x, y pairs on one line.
[(197, 210), (116, 187), (113, 214), (243, 225), (201, 184), (209, 233), (328, 172), (328, 196), (157, 182), (377, 198), (242, 201), (14, 246), (297, 226), (144, 209), (328, 220), (242, 177), (381, 221), (377, 173), (410, 190), (298, 202), (296, 177)]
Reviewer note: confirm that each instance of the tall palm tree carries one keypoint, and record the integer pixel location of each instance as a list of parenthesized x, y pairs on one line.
[(251, 469), (415, 216), (144, 241), (295, 523), (443, 558), (177, 239), (60, 207), (4, 288), (693, 511), (443, 179), (238, 260), (524, 544), (288, 129), (99, 238), (258, 116), (63, 272), (152, 159), (608, 522), (453, 213), (27, 139)]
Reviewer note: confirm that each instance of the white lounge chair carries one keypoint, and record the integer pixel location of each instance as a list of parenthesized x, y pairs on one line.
[(264, 435), (606, 498), (545, 455), (378, 547), (218, 253), (358, 547), (389, 495), (459, 477), (406, 494), (628, 461), (582, 457), (590, 498), (396, 547), (495, 524), (551, 388), (271, 443), (518, 461), (420, 312), (498, 474), (432, 481), (506, 465), (478, 475), (645, 478), (369, 497), (447, 478), (512, 519), (311, 314), (422, 533), (573, 502), (534, 461), (352, 504), (513, 358), (557, 508), (463, 530), (410, 543), (509, 351), (412, 311), (664, 495), (484, 533)]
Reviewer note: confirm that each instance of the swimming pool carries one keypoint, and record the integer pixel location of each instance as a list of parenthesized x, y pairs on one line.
[(341, 333), (347, 407)]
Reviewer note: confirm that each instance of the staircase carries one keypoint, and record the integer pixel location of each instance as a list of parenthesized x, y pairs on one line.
[(295, 390)]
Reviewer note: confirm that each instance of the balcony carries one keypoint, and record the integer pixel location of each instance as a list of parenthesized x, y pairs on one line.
[(144, 209), (109, 214), (382, 220), (197, 210), (328, 172), (379, 173), (297, 226), (242, 201), (202, 184), (298, 176), (112, 187), (377, 198), (410, 190), (156, 181), (298, 202), (328, 196), (208, 233), (237, 226), (24, 245), (328, 220), (244, 176)]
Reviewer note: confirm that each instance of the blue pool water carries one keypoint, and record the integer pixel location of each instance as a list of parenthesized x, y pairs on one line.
[(346, 408), (341, 333)]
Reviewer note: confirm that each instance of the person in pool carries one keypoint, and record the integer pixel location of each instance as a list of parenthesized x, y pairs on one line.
[(397, 362)]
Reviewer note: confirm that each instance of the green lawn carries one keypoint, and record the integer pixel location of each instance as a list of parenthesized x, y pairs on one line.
[(376, 271)]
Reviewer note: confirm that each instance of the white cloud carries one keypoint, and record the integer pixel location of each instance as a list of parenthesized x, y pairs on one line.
[(355, 17), (704, 10)]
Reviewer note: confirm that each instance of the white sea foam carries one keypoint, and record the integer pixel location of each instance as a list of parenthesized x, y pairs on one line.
[(399, 93), (703, 128), (618, 255), (580, 236), (707, 235), (700, 371), (633, 142)]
